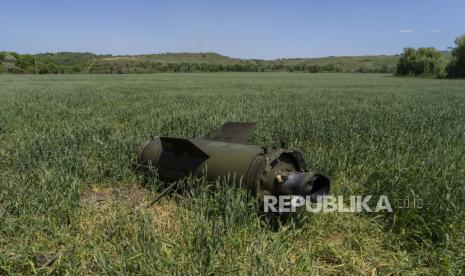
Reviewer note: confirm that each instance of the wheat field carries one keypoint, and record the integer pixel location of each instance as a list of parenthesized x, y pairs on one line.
[(70, 201)]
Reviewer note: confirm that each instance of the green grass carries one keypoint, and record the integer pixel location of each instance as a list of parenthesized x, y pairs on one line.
[(68, 191)]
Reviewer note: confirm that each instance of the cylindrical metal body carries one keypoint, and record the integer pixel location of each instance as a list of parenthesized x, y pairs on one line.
[(222, 159), (227, 159), (252, 166)]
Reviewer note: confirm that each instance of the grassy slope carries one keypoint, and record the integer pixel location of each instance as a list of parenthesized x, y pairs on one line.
[(67, 188), (347, 63), (213, 58)]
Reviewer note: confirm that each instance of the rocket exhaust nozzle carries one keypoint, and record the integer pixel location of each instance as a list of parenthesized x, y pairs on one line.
[(305, 184)]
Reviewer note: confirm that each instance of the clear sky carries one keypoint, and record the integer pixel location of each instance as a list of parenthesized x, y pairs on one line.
[(239, 28)]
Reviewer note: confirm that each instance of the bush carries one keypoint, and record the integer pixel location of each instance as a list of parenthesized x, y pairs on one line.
[(456, 68), (76, 69), (48, 68), (421, 62)]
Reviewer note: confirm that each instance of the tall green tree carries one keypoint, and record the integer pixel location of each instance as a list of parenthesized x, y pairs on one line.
[(456, 68), (421, 62)]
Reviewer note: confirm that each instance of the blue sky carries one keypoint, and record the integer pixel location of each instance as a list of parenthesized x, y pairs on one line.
[(246, 29)]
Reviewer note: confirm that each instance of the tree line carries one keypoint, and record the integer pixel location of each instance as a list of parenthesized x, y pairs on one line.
[(158, 67), (427, 62), (430, 62), (47, 63), (75, 63)]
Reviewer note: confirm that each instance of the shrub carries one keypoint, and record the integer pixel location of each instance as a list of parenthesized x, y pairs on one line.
[(76, 69)]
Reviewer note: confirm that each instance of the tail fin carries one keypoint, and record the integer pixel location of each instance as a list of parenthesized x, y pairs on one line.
[(179, 157), (233, 133)]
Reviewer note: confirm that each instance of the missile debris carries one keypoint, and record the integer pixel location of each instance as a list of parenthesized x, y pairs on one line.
[(269, 170)]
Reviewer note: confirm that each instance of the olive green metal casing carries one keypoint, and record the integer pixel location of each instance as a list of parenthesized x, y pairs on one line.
[(226, 156), (249, 165)]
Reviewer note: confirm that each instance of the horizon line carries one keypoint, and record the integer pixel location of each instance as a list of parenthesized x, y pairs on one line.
[(201, 52)]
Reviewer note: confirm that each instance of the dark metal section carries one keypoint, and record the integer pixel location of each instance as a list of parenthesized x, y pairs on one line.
[(178, 158), (320, 186), (305, 184), (299, 161), (294, 184), (255, 173), (233, 133)]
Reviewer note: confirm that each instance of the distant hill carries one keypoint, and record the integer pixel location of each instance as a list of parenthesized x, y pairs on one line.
[(212, 58), (347, 63), (69, 62)]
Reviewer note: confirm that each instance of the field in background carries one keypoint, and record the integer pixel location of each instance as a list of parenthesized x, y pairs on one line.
[(70, 201)]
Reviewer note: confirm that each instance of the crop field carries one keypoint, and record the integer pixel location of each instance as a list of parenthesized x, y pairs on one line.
[(70, 201)]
